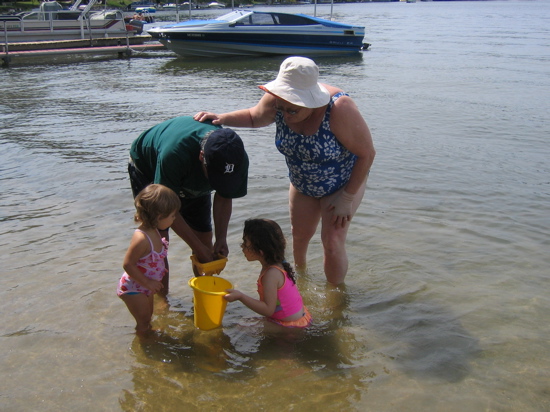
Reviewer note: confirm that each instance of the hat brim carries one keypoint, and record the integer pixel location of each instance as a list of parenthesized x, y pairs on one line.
[(231, 186), (313, 98)]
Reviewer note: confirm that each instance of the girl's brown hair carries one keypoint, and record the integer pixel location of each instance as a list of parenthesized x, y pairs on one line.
[(266, 236), (155, 202)]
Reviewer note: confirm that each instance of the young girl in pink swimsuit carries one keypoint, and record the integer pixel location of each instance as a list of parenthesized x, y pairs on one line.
[(280, 301), (156, 208)]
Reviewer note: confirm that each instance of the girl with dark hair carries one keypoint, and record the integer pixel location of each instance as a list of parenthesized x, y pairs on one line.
[(280, 301)]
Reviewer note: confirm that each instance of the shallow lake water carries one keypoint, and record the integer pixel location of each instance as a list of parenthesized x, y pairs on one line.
[(445, 306)]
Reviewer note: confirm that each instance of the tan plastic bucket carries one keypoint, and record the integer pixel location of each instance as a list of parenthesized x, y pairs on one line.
[(208, 292)]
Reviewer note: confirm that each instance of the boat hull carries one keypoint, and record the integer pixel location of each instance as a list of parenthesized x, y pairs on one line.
[(216, 48)]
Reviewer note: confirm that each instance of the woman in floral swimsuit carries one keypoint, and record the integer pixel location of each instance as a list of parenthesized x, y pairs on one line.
[(329, 153)]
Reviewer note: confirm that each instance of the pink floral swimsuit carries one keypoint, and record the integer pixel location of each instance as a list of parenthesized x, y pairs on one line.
[(152, 266)]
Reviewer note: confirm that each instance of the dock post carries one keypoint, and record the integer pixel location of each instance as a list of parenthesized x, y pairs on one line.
[(6, 49), (6, 60), (127, 52)]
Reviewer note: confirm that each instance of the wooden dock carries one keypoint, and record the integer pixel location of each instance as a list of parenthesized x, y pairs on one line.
[(121, 47)]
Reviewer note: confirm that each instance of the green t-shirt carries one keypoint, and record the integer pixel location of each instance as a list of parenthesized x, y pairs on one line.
[(168, 154)]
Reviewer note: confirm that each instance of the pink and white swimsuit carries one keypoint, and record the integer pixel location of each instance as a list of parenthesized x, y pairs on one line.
[(152, 266)]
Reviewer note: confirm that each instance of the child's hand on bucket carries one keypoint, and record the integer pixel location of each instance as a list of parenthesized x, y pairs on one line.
[(232, 295)]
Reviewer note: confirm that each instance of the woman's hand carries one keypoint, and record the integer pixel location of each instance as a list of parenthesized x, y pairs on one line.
[(204, 116), (341, 208)]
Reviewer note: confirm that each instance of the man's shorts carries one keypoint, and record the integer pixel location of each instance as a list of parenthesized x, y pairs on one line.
[(196, 212)]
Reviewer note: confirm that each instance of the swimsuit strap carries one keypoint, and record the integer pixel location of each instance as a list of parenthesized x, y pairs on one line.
[(276, 267), (332, 101), (273, 266), (148, 238), (336, 96)]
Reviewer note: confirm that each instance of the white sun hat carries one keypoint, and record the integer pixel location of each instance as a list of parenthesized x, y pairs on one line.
[(297, 83)]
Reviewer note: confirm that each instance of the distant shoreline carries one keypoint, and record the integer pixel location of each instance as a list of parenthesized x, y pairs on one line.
[(17, 7)]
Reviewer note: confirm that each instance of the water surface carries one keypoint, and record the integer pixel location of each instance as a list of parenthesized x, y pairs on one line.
[(445, 304)]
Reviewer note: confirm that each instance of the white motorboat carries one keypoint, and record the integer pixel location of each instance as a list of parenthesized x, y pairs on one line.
[(256, 33), (146, 9), (51, 22)]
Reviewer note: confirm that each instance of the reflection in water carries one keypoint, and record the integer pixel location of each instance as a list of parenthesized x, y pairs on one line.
[(186, 366), (194, 351), (194, 368), (249, 73)]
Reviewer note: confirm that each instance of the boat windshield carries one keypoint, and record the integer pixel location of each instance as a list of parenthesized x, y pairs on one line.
[(234, 15), (253, 18), (107, 15)]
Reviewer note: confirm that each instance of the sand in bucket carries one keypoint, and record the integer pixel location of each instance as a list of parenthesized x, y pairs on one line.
[(208, 293)]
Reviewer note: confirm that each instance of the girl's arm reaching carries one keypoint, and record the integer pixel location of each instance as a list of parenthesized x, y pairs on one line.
[(270, 282)]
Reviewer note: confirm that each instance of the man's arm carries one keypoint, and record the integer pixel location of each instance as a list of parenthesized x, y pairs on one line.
[(202, 251), (222, 209)]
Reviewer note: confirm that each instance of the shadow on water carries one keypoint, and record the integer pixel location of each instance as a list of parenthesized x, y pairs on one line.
[(423, 338), (429, 341)]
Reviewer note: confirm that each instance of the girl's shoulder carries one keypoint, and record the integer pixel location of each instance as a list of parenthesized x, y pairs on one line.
[(150, 237), (140, 234), (140, 245), (275, 274)]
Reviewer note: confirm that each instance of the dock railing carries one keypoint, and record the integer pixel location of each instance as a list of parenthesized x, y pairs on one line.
[(5, 45)]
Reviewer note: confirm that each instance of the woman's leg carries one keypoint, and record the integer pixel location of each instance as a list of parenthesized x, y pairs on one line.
[(334, 240), (305, 213)]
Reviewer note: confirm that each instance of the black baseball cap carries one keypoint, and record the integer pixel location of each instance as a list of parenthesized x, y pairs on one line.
[(226, 163)]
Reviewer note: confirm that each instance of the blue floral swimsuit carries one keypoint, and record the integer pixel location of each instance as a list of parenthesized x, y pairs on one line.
[(319, 164)]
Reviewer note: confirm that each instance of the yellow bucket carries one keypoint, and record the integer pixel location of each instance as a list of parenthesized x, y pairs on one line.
[(208, 292)]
